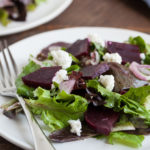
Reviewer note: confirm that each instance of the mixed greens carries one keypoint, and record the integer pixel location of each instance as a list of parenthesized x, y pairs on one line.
[(104, 85), (16, 10)]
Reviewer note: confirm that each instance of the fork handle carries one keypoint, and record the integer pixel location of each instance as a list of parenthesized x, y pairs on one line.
[(41, 142)]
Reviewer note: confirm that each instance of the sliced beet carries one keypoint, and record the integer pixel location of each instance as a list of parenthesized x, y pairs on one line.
[(75, 75), (101, 119), (61, 44), (128, 52), (93, 71), (79, 48), (42, 77), (65, 135), (44, 53)]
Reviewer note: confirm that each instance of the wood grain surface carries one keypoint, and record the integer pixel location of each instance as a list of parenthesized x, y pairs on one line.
[(130, 14)]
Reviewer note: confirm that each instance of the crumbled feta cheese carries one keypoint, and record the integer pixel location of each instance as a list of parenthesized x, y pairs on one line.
[(142, 56), (60, 76), (114, 57), (61, 58), (75, 127), (107, 81), (96, 39)]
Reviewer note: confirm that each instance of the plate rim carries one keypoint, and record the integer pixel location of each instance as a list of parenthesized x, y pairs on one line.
[(39, 22), (20, 143), (82, 27)]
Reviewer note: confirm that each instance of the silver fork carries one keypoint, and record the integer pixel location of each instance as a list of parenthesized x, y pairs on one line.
[(8, 88)]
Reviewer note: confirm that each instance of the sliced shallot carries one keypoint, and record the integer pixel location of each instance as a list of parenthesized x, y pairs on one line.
[(140, 71), (67, 86)]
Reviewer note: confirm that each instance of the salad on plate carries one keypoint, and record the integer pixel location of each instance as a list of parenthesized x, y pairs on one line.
[(89, 88), (16, 10)]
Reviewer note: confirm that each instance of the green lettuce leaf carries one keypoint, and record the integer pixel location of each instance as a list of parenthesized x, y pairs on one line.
[(4, 17), (126, 139), (147, 103), (138, 94), (73, 68), (144, 47), (139, 41), (74, 59), (22, 89), (57, 110), (31, 7), (120, 102), (147, 59), (112, 98), (37, 2), (141, 95)]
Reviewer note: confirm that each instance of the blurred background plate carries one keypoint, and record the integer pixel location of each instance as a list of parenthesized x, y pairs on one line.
[(45, 12), (147, 2)]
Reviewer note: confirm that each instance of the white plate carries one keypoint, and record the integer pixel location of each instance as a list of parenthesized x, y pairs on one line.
[(45, 12), (17, 131)]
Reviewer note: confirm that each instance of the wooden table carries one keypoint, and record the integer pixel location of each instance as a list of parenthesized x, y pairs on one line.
[(130, 14)]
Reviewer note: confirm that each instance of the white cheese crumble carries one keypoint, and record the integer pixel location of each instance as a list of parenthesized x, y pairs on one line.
[(75, 127), (60, 76), (96, 39), (114, 57), (107, 81), (61, 58), (142, 56)]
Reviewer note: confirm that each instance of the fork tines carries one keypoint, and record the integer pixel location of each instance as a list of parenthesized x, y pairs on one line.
[(8, 68)]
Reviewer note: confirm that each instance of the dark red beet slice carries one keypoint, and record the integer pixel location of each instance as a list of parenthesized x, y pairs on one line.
[(44, 53), (101, 119), (79, 48), (61, 44), (128, 52), (93, 71), (42, 77)]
